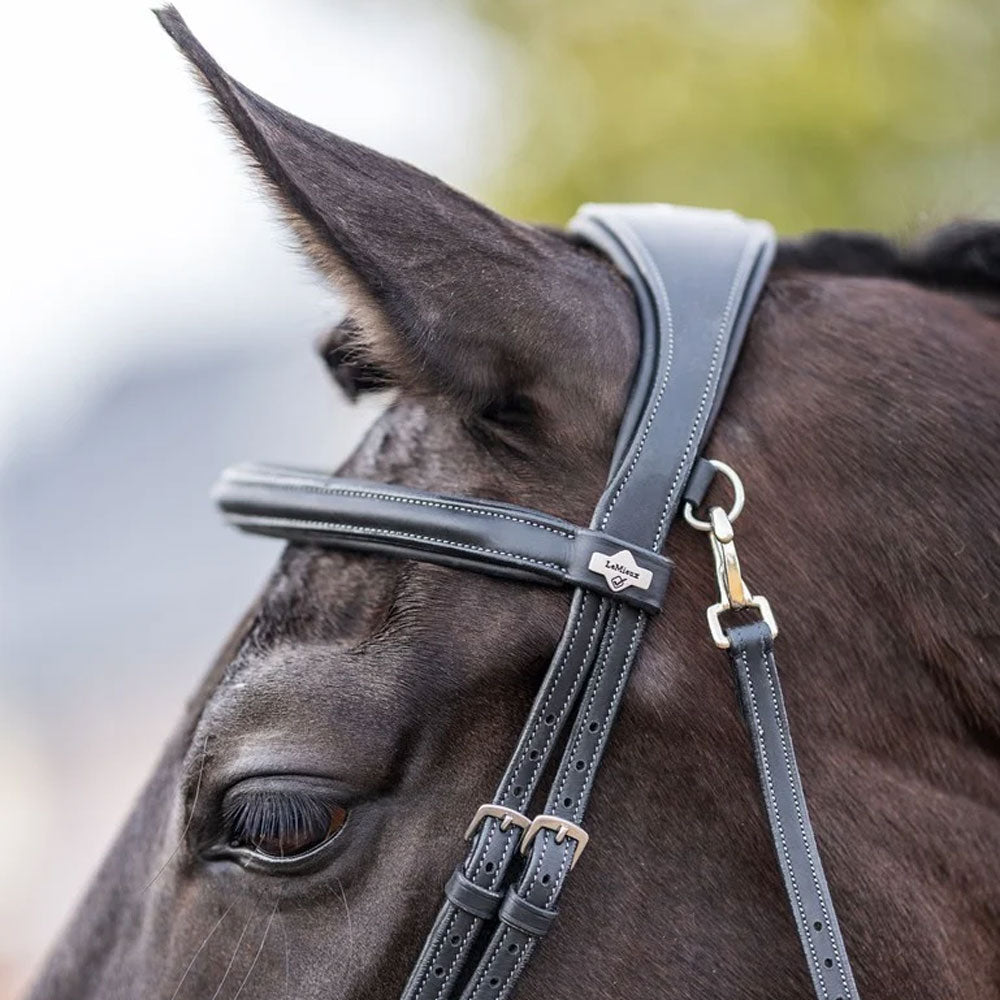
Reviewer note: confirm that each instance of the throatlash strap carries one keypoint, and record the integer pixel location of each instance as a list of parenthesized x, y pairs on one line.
[(696, 276)]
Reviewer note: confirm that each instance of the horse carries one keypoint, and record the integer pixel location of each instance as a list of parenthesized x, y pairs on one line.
[(363, 707)]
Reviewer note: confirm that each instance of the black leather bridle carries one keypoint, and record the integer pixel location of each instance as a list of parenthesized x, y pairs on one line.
[(696, 275)]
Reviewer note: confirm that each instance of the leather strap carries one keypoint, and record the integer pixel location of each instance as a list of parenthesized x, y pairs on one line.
[(519, 913), (484, 535), (494, 849), (698, 484), (751, 655), (692, 273), (696, 276), (472, 898)]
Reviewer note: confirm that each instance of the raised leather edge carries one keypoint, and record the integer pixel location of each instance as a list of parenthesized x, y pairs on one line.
[(461, 532)]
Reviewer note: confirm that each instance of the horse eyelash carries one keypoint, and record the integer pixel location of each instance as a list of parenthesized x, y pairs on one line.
[(257, 815)]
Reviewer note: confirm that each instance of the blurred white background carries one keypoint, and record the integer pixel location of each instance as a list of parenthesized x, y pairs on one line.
[(156, 325)]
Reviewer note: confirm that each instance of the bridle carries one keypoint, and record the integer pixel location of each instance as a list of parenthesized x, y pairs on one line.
[(696, 276)]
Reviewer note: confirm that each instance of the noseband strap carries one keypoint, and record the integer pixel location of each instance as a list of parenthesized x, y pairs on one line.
[(696, 276)]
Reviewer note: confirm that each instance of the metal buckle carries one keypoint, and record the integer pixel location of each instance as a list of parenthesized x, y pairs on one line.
[(733, 590), (563, 829), (507, 817)]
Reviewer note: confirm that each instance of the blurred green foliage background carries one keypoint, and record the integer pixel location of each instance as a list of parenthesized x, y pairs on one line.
[(877, 114)]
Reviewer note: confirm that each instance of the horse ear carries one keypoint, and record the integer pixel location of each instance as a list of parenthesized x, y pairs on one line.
[(445, 295)]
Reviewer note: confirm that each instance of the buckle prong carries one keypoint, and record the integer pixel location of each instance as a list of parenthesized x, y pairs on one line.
[(563, 828), (507, 817)]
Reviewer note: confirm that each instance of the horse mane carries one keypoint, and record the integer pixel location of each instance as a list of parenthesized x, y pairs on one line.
[(960, 257)]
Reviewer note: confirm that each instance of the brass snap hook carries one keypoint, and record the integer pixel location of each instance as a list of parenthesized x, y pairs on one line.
[(733, 589), (739, 497)]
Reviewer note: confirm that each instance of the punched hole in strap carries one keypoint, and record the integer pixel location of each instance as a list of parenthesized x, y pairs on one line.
[(562, 828)]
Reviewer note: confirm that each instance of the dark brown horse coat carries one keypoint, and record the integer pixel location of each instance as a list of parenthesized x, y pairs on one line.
[(865, 419)]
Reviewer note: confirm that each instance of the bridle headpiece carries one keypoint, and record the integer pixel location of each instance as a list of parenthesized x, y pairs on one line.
[(696, 276)]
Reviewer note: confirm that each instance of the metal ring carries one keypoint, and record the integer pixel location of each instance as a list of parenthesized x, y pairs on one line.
[(739, 496)]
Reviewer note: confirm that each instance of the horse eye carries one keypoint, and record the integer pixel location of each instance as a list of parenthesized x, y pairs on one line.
[(280, 822)]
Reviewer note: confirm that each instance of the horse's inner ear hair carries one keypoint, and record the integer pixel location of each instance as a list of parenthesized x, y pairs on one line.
[(448, 297), (342, 351)]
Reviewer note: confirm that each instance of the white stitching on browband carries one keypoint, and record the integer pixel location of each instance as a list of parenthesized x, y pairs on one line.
[(330, 527), (742, 266), (308, 486)]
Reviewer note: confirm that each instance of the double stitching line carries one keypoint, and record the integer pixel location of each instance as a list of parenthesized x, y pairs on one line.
[(566, 701), (741, 269), (459, 954), (828, 924), (595, 684), (331, 527), (495, 951), (615, 696), (639, 253), (760, 743), (432, 958), (526, 951), (493, 954), (535, 723), (307, 486)]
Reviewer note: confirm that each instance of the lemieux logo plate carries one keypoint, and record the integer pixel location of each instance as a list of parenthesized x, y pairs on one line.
[(620, 570)]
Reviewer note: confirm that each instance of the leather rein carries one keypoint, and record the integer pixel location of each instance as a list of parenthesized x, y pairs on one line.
[(696, 275)]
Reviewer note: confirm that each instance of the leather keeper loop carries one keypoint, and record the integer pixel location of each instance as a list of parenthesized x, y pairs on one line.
[(470, 897), (699, 482), (525, 916)]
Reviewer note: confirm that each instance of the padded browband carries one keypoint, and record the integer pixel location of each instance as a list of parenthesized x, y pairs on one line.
[(496, 538), (509, 541)]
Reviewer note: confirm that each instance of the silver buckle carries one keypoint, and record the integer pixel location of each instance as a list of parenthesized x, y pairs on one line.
[(507, 817), (563, 829)]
